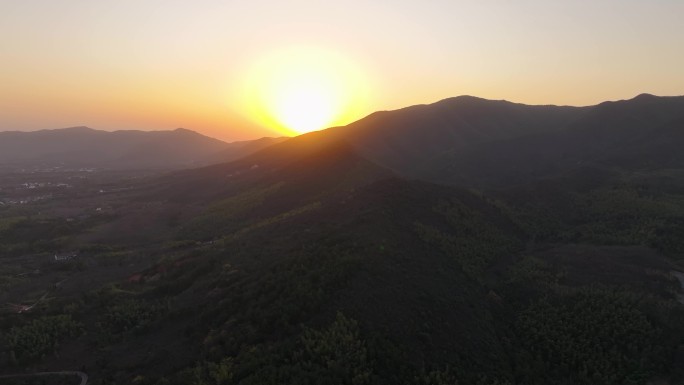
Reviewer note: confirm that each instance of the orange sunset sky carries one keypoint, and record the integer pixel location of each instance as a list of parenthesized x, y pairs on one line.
[(242, 70)]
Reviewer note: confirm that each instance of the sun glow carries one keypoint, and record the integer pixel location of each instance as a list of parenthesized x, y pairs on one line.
[(296, 91)]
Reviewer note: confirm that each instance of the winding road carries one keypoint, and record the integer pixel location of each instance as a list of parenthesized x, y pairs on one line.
[(84, 377)]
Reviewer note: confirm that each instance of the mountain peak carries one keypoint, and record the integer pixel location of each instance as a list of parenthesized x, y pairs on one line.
[(77, 129), (644, 96), (468, 101), (464, 99), (186, 132)]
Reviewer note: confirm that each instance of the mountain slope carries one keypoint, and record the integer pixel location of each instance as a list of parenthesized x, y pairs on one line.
[(472, 141), (392, 280), (406, 140), (628, 136)]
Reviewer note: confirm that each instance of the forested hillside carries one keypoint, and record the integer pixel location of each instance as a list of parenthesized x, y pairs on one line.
[(308, 262)]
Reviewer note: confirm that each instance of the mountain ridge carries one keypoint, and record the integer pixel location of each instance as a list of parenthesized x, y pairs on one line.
[(426, 141)]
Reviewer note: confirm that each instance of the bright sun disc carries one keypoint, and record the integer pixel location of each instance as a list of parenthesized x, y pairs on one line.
[(304, 105), (301, 90)]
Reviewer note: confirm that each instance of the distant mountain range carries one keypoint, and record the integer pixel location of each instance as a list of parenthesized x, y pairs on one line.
[(472, 140), (487, 143), (86, 147), (457, 140)]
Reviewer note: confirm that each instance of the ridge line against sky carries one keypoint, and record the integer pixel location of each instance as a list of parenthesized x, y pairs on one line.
[(275, 134), (161, 64), (388, 110)]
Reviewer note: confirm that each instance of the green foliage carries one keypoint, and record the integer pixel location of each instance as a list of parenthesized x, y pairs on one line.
[(395, 258), (335, 355), (469, 238), (533, 269), (40, 337), (275, 219), (204, 373), (34, 234), (131, 315), (279, 298), (621, 213), (588, 336), (221, 217), (7, 224), (437, 377)]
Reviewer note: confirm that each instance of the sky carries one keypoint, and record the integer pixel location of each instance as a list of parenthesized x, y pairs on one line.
[(214, 66)]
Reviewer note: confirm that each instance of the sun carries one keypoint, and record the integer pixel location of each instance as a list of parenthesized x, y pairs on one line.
[(295, 91), (304, 103)]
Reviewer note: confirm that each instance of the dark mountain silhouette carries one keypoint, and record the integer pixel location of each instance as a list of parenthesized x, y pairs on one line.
[(410, 139), (467, 140), (86, 147)]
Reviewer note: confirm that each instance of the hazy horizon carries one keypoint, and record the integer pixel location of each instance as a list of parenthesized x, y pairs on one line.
[(275, 134), (238, 71)]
